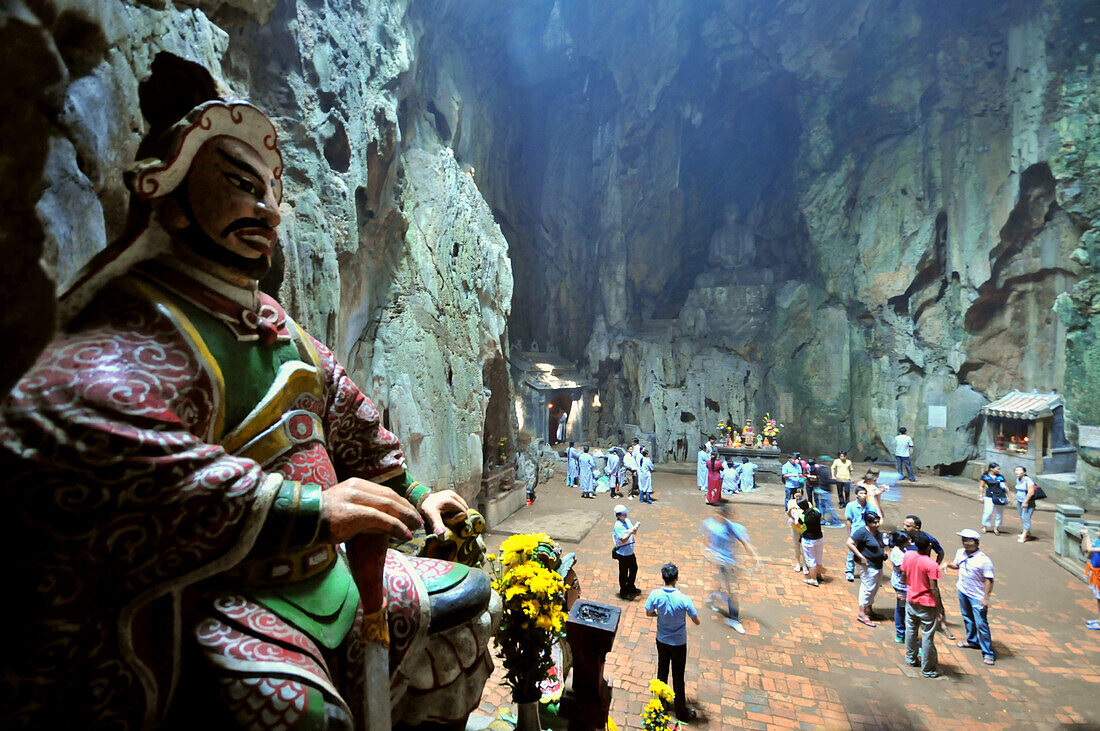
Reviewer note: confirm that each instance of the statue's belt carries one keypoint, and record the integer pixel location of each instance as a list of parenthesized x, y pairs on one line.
[(285, 569), (293, 428)]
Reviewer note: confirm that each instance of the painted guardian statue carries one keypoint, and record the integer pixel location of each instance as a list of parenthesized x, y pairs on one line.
[(185, 466)]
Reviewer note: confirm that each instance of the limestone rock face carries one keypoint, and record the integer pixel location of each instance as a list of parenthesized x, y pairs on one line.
[(389, 253), (25, 151), (841, 213), (849, 213)]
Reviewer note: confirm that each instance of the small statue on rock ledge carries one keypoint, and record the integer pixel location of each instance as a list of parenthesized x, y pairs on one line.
[(183, 464)]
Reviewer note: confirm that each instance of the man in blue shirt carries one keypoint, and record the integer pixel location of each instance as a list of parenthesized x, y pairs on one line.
[(853, 513), (792, 477), (623, 533), (672, 607)]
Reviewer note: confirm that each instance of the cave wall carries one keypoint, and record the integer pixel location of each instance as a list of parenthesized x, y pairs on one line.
[(391, 255), (841, 213), (1074, 150)]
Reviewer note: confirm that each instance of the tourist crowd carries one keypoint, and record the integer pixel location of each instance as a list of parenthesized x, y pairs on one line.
[(911, 558)]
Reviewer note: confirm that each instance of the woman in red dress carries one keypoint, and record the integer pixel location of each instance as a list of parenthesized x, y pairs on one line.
[(714, 479)]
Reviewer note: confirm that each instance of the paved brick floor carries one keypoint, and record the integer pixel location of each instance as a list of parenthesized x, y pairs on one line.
[(806, 663)]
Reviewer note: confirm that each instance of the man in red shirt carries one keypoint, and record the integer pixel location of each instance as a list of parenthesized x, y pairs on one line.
[(922, 605)]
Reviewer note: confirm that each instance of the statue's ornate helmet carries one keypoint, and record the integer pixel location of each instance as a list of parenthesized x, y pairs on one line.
[(155, 177), (185, 107)]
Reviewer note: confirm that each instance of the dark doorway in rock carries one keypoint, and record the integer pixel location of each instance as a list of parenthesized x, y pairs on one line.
[(558, 424)]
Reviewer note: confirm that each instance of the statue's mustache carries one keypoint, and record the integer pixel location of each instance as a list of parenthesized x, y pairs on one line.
[(246, 223)]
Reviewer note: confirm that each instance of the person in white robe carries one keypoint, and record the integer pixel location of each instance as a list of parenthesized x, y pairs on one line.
[(747, 475), (614, 463), (562, 423), (645, 477), (730, 482), (701, 468), (629, 473), (572, 465), (586, 464)]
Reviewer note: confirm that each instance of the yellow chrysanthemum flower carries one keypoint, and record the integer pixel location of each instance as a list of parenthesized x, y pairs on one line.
[(661, 690)]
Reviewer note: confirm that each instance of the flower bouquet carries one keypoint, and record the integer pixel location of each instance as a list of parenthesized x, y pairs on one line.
[(655, 715), (533, 593), (770, 428)]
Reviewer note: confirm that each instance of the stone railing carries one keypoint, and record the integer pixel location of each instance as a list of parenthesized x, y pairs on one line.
[(1068, 521)]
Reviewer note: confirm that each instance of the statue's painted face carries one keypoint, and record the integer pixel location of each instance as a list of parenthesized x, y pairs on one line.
[(231, 196)]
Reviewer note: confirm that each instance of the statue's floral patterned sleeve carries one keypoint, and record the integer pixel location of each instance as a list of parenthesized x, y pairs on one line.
[(358, 443), (111, 498)]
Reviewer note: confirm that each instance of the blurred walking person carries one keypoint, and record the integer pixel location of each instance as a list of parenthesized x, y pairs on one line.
[(722, 536)]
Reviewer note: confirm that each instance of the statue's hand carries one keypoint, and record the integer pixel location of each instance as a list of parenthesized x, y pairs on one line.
[(359, 506), (437, 504)]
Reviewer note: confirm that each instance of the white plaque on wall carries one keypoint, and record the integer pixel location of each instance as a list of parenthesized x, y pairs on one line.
[(1088, 436), (937, 417), (786, 406)]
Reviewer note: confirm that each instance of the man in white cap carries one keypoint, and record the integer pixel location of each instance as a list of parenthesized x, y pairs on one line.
[(623, 533), (975, 584)]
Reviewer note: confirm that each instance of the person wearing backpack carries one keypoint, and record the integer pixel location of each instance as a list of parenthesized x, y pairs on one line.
[(994, 497), (1025, 502)]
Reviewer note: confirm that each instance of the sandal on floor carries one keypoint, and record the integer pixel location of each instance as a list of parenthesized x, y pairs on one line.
[(867, 622), (948, 634), (1093, 624), (966, 645), (988, 660)]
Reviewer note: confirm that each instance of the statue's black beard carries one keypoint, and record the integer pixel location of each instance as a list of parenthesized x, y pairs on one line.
[(197, 240)]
